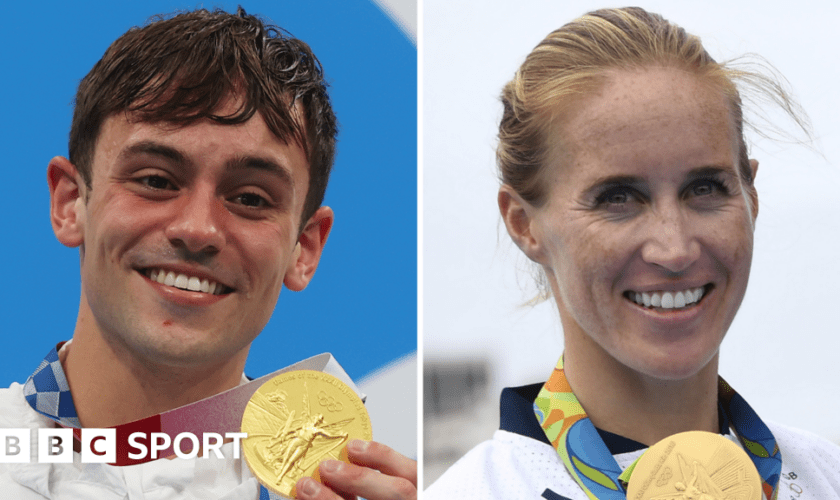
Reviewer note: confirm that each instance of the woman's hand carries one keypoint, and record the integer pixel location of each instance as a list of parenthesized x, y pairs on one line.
[(377, 473)]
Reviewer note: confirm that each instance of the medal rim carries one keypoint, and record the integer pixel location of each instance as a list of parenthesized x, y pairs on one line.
[(683, 442), (358, 404)]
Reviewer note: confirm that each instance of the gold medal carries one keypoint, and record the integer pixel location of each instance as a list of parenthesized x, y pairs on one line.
[(296, 420), (694, 465)]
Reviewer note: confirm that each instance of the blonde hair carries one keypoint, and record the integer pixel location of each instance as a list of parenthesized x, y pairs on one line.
[(572, 61)]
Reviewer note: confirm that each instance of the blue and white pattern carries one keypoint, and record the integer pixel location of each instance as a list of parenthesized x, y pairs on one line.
[(48, 392)]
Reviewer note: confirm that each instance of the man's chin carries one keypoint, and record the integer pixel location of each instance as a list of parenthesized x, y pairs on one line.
[(177, 349)]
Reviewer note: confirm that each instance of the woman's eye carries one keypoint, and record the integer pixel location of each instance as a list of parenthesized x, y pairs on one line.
[(707, 187), (615, 197), (250, 200)]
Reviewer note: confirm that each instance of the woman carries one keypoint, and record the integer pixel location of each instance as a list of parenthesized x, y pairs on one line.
[(626, 179)]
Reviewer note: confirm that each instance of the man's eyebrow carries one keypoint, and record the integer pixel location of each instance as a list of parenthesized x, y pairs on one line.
[(261, 163), (239, 163), (154, 149)]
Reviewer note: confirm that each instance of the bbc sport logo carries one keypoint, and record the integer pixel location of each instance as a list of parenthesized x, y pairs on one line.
[(100, 445)]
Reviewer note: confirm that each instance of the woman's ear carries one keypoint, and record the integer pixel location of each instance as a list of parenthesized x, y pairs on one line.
[(67, 205), (753, 194), (518, 215)]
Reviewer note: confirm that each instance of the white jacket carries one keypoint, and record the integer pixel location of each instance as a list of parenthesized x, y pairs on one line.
[(513, 466), (210, 478)]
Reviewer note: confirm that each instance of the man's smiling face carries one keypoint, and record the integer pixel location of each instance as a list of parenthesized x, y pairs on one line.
[(187, 236)]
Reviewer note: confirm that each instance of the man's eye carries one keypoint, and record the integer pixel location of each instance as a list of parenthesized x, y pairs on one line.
[(250, 200), (156, 182)]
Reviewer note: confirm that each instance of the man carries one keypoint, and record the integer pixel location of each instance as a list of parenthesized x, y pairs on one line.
[(199, 156)]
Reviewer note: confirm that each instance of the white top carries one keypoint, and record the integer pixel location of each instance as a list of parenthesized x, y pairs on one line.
[(512, 466), (214, 478), (210, 478)]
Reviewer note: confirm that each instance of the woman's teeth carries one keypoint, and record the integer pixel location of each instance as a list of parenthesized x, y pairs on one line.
[(667, 300), (185, 282)]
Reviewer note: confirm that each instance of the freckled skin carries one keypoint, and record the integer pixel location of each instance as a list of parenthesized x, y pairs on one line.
[(656, 125)]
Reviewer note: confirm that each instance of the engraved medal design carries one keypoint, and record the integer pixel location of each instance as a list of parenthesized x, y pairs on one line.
[(295, 421), (694, 465)]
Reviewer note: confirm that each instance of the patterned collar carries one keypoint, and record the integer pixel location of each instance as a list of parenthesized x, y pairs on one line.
[(48, 392), (517, 416)]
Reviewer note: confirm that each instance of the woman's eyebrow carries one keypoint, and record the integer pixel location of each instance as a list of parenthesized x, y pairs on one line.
[(613, 181), (709, 171)]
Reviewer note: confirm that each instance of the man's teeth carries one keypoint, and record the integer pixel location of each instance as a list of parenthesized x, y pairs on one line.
[(185, 282), (668, 300)]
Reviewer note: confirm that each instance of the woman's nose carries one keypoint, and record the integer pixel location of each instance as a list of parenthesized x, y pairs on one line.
[(671, 243)]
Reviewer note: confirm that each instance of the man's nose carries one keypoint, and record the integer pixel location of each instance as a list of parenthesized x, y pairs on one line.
[(197, 225)]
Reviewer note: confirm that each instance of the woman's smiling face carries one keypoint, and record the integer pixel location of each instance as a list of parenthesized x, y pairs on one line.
[(646, 232)]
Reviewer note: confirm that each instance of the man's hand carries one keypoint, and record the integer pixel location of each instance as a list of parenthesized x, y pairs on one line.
[(379, 473)]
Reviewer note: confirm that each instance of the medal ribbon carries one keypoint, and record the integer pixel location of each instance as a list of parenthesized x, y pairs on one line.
[(48, 393), (593, 467)]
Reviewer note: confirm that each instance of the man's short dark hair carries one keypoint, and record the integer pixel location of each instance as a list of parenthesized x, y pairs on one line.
[(179, 69)]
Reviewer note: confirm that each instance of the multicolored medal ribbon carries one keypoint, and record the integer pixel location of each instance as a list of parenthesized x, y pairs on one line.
[(48, 393), (593, 467)]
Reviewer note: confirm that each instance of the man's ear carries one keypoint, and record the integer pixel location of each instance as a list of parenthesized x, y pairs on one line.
[(308, 250), (67, 206), (518, 216), (753, 194)]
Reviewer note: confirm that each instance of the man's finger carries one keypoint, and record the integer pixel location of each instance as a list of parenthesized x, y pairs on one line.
[(382, 458), (349, 479), (310, 489), (377, 473)]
